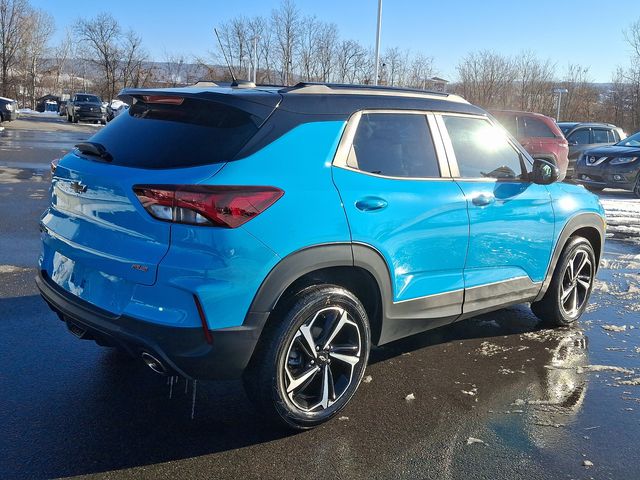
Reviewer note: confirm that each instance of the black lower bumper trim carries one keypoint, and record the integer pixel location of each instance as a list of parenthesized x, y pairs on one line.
[(183, 351)]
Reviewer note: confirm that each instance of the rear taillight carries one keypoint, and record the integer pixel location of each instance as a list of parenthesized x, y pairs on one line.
[(220, 206)]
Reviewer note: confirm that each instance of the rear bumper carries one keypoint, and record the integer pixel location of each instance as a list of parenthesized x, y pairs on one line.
[(183, 351)]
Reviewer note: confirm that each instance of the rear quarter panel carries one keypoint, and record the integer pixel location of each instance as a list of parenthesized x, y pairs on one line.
[(310, 211)]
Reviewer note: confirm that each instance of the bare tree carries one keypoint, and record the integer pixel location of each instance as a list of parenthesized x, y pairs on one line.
[(101, 36), (285, 22), (174, 69), (309, 47), (12, 16), (61, 54), (582, 97), (420, 71), (632, 36), (486, 78), (326, 50), (38, 28), (534, 83), (132, 63), (351, 59)]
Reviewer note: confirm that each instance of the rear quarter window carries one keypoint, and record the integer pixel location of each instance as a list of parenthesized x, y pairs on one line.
[(169, 135), (537, 128)]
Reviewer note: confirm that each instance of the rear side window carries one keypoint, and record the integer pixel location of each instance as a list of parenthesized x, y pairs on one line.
[(537, 128), (394, 145), (482, 150), (177, 133), (600, 135)]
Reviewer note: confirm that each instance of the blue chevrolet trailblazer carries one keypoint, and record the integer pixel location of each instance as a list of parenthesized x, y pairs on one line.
[(277, 233)]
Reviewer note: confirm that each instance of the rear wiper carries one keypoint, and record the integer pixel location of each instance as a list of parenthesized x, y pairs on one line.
[(95, 149)]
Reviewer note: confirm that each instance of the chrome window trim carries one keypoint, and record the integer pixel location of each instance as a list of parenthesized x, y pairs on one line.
[(346, 142)]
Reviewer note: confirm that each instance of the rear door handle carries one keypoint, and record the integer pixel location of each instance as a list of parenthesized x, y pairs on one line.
[(483, 199), (370, 204)]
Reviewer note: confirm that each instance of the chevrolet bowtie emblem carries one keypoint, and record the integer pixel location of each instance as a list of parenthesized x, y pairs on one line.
[(78, 187)]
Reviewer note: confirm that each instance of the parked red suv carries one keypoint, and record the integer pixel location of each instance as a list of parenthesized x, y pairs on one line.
[(538, 134)]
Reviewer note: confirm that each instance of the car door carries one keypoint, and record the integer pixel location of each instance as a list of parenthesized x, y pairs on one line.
[(401, 202), (579, 140), (511, 220)]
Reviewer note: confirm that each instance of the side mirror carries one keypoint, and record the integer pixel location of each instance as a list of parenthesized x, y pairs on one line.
[(544, 172)]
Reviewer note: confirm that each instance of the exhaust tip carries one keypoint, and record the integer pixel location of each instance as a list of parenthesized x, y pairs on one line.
[(153, 363)]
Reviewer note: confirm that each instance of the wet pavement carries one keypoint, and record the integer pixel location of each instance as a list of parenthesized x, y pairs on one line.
[(494, 397)]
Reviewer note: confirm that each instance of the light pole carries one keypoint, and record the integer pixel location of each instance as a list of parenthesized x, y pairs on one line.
[(375, 78), (559, 91), (255, 58)]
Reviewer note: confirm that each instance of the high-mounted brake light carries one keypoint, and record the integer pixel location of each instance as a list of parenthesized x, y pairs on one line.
[(221, 206), (163, 99)]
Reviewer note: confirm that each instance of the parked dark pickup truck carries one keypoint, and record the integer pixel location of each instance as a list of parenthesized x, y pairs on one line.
[(86, 107), (8, 109)]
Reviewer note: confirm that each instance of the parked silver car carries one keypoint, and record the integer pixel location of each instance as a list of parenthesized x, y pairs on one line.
[(583, 136)]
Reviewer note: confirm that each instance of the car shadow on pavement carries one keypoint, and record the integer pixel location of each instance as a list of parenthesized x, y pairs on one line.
[(70, 407)]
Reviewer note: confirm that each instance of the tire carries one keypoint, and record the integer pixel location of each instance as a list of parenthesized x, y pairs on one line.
[(68, 118), (103, 122), (594, 189), (568, 294), (296, 385), (636, 188), (74, 119)]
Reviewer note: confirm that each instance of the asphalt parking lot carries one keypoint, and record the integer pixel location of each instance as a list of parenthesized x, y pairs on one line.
[(493, 397)]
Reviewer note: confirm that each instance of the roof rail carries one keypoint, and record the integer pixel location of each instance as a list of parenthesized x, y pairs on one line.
[(349, 89), (321, 87)]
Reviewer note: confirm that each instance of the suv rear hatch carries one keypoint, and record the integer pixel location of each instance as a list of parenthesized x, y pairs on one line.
[(98, 240)]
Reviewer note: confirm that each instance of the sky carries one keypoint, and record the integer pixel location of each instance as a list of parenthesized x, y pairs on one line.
[(586, 32)]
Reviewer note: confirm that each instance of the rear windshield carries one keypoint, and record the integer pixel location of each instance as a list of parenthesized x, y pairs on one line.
[(87, 98), (170, 135)]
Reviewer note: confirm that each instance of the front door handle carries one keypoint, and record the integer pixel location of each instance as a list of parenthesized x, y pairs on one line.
[(370, 204), (483, 199)]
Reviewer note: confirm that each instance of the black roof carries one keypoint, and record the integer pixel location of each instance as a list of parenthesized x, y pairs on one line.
[(335, 100)]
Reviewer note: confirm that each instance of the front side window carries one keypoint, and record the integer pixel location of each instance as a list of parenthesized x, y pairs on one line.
[(580, 137), (394, 145), (481, 149)]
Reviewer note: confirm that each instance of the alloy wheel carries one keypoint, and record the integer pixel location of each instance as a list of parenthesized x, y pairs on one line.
[(576, 283), (321, 359)]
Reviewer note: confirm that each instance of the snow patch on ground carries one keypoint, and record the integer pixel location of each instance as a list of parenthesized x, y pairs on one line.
[(471, 441), (604, 368), (489, 349), (634, 382), (615, 328), (12, 269)]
